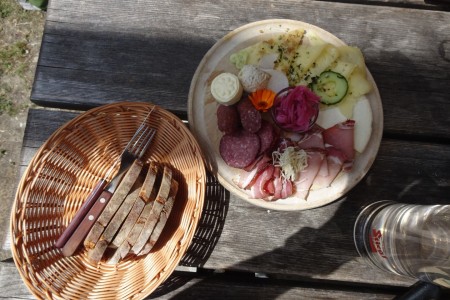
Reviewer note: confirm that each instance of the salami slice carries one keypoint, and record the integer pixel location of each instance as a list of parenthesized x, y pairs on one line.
[(239, 149), (227, 118), (267, 136), (249, 115)]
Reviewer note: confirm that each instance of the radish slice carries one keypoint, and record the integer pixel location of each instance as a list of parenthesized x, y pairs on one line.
[(277, 81)]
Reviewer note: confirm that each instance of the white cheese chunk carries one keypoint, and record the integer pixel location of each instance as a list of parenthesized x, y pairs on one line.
[(226, 89), (253, 78)]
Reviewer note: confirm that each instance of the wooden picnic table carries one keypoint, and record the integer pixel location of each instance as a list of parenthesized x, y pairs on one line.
[(99, 52)]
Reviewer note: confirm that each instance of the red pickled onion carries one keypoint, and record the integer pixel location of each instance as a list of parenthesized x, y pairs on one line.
[(296, 110)]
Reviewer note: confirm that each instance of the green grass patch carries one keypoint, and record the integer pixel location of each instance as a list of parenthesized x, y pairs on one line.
[(6, 9), (7, 106), (11, 54)]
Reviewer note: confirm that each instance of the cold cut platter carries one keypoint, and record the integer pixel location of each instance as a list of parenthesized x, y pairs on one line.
[(288, 116)]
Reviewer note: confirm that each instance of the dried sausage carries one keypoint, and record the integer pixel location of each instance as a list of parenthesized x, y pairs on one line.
[(250, 117), (267, 136), (239, 149), (227, 118)]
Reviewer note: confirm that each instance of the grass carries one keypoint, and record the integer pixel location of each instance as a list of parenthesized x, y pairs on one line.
[(11, 56), (6, 104), (20, 34), (5, 9)]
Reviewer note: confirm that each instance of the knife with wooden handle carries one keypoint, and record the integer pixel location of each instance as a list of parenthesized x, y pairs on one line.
[(81, 213), (86, 224), (79, 234), (125, 160)]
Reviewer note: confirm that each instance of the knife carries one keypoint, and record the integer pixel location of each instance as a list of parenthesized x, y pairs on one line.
[(94, 195), (85, 225)]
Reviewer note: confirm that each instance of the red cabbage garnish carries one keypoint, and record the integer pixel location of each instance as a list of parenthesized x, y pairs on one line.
[(296, 109)]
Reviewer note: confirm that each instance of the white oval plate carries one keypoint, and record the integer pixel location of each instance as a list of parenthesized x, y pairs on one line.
[(203, 120)]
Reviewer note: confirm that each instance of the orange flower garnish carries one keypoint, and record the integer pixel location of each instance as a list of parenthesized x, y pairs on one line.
[(263, 99)]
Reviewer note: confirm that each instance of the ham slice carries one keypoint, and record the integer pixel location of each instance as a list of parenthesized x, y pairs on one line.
[(257, 190), (247, 178), (277, 183), (269, 187), (314, 140), (283, 143), (335, 159), (341, 136), (287, 189), (307, 176)]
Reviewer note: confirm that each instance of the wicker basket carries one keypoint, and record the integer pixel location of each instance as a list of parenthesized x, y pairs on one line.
[(59, 178)]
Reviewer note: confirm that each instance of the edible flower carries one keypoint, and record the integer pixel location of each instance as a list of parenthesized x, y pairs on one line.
[(263, 99), (296, 109)]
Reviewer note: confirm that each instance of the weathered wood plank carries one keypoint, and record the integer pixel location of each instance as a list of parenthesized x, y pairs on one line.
[(95, 53), (317, 244), (236, 286), (441, 5), (182, 285)]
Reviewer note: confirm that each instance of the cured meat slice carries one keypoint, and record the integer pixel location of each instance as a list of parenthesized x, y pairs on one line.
[(335, 160), (269, 187), (257, 189), (267, 136), (341, 136), (277, 183), (287, 189), (239, 149), (323, 171), (307, 176), (283, 143), (250, 117), (314, 140), (263, 158), (247, 178), (228, 118)]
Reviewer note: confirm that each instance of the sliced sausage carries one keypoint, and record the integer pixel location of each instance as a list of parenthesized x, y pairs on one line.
[(267, 136), (228, 118), (249, 115), (239, 149)]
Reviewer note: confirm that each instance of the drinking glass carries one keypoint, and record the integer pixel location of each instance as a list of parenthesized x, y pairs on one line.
[(405, 239)]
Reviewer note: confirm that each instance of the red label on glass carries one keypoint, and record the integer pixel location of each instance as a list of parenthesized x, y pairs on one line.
[(375, 242)]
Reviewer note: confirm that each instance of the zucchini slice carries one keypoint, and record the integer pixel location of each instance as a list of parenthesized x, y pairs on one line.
[(331, 87)]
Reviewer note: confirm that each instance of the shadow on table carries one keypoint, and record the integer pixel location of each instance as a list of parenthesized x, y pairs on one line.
[(307, 251), (208, 232)]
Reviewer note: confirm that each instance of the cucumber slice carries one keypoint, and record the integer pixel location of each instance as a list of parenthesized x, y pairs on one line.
[(331, 87)]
